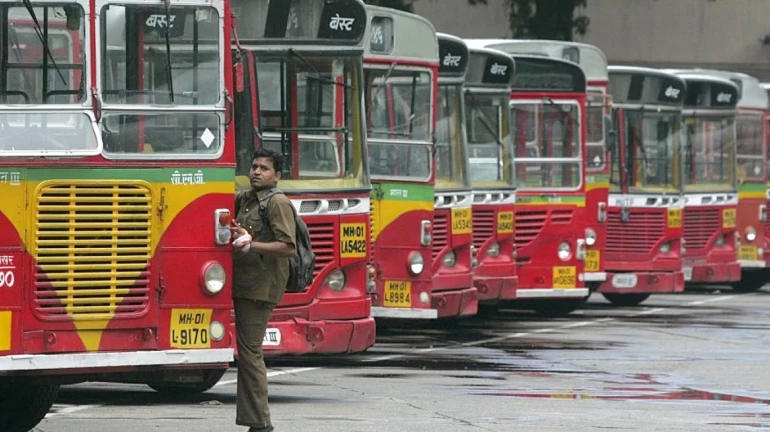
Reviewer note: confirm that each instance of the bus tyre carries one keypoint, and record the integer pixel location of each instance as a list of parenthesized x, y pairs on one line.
[(751, 281), (209, 378), (556, 308), (23, 406), (625, 299)]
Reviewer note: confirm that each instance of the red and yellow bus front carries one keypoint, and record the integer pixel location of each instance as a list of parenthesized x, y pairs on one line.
[(301, 96), (548, 108), (711, 198), (490, 148), (644, 235)]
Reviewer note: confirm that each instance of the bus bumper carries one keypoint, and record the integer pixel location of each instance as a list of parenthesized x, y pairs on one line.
[(494, 288), (299, 336), (712, 272), (643, 283), (455, 303), (550, 293)]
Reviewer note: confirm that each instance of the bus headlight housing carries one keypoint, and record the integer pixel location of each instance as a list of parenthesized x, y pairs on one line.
[(720, 242), (336, 280), (665, 248), (493, 250), (450, 259), (426, 233), (590, 237), (564, 251), (214, 278), (751, 234), (416, 263)]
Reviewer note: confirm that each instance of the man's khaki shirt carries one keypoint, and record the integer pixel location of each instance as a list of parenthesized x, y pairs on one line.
[(257, 276)]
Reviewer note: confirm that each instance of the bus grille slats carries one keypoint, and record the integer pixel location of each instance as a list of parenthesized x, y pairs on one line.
[(699, 226), (92, 245), (767, 216), (322, 239), (639, 235), (483, 226), (440, 233), (529, 223)]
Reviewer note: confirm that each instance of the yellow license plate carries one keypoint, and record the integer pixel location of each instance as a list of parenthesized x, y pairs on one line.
[(505, 222), (674, 218), (398, 294), (748, 253), (461, 221), (592, 260), (564, 277), (728, 218), (190, 328), (353, 240)]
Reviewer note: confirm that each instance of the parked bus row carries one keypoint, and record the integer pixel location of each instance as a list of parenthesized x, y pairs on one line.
[(438, 178)]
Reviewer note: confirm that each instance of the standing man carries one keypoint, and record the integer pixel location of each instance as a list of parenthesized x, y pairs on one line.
[(264, 241)]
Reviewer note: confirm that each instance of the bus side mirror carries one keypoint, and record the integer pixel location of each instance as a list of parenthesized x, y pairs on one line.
[(610, 134), (73, 17)]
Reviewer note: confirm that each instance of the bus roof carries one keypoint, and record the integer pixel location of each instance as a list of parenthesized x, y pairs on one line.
[(453, 56), (311, 22), (645, 86), (538, 74), (707, 91), (589, 57), (394, 34), (490, 68), (752, 95)]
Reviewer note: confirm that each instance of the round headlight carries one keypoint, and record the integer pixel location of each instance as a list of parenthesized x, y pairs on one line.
[(590, 237), (751, 234), (217, 331), (564, 251), (493, 250), (424, 297), (450, 259), (720, 241), (416, 263), (665, 248), (214, 278), (336, 280)]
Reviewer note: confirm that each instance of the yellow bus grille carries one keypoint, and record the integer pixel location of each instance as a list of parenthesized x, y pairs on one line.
[(92, 246)]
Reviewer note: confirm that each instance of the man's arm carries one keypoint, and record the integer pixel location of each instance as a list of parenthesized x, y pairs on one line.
[(280, 213)]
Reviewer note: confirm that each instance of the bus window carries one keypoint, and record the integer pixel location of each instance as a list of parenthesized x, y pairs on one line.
[(750, 135)]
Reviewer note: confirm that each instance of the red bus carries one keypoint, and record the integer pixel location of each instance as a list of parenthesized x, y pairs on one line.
[(644, 234), (300, 94), (116, 176)]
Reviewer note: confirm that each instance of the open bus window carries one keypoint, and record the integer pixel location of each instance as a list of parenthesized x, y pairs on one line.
[(652, 142), (487, 125), (45, 64), (750, 135), (709, 156), (450, 166)]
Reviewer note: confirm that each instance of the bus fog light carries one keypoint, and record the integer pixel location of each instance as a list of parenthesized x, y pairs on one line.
[(336, 280), (720, 241), (214, 278), (450, 259), (424, 298), (751, 234), (416, 263), (590, 237), (760, 252), (665, 248), (493, 250), (564, 251), (217, 331), (223, 236)]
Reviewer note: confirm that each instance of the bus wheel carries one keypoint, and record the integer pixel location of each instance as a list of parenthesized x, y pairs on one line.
[(556, 308), (625, 299), (751, 281), (186, 386), (23, 406)]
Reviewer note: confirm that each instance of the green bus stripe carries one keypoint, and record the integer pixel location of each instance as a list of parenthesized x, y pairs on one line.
[(152, 175), (403, 192)]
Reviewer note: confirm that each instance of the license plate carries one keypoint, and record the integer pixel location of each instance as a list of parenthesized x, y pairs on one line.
[(728, 218), (505, 222), (353, 240), (398, 294), (674, 218), (687, 273), (624, 280), (564, 277), (190, 328), (592, 260), (272, 337), (461, 221), (748, 253)]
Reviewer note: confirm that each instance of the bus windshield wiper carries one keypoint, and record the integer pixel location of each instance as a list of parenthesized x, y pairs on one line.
[(294, 53), (380, 87), (485, 121), (169, 73), (39, 32)]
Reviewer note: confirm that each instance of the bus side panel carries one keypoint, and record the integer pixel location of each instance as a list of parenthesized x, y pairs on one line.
[(14, 261)]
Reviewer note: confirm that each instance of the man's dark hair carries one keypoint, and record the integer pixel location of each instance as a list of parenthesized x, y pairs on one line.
[(276, 157)]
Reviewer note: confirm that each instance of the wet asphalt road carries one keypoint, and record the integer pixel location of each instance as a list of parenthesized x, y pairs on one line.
[(692, 362)]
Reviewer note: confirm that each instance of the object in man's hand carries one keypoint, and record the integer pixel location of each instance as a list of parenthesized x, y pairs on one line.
[(243, 243)]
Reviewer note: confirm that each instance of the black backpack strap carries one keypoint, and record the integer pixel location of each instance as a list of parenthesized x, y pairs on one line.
[(265, 232)]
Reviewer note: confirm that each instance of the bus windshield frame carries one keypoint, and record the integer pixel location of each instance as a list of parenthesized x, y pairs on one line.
[(751, 151), (724, 161), (490, 147), (652, 146), (450, 151)]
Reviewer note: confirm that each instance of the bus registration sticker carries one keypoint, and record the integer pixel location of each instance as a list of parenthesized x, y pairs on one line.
[(461, 221), (675, 218), (505, 222), (564, 277), (190, 328), (353, 240), (728, 218), (398, 294), (592, 260), (272, 337), (747, 253)]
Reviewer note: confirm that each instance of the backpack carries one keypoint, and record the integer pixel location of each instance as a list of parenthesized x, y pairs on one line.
[(302, 263)]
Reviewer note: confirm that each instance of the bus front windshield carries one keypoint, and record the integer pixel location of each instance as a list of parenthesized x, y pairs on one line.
[(488, 126), (450, 149), (399, 114), (311, 113), (750, 141), (44, 65), (652, 151), (547, 143), (709, 156)]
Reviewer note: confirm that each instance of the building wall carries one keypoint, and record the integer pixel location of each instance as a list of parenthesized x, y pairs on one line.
[(458, 18)]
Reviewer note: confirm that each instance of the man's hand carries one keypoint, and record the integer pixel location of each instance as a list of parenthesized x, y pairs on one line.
[(243, 242)]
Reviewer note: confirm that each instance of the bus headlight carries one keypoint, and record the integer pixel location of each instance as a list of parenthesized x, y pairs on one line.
[(665, 248), (416, 263), (564, 251), (590, 237), (450, 259), (493, 250), (720, 241), (214, 278), (751, 234), (336, 280)]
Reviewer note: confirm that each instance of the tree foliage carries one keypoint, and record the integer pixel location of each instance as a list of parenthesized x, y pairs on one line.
[(546, 19), (404, 5)]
